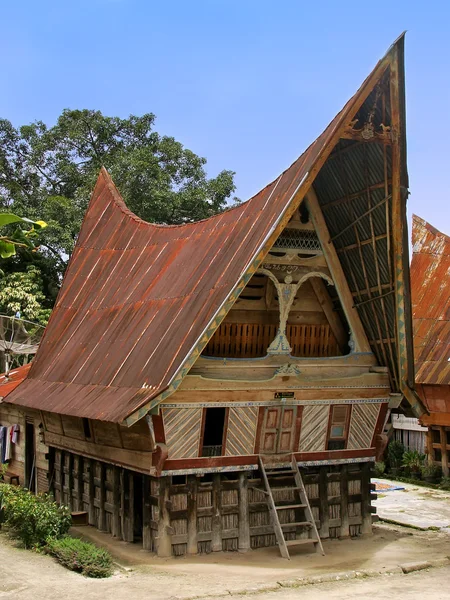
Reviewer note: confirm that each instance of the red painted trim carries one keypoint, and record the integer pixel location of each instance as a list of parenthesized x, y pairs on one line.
[(202, 433), (259, 425), (298, 427), (225, 431), (380, 422), (158, 426), (234, 461)]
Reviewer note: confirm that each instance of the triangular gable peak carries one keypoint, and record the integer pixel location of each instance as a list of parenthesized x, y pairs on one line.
[(139, 302)]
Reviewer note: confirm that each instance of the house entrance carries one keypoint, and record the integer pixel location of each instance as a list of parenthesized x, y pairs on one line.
[(278, 431)]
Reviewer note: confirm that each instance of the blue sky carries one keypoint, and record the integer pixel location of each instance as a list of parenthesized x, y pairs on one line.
[(248, 84)]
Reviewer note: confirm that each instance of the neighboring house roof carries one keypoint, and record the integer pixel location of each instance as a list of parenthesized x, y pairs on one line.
[(9, 382), (140, 301), (430, 291)]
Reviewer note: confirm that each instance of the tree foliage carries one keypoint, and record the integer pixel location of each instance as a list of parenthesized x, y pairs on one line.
[(49, 173), (21, 293)]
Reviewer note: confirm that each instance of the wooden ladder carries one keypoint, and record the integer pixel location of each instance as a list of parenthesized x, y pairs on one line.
[(273, 473)]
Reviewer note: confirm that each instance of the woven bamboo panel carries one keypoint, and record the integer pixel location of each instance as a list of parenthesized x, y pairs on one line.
[(314, 428), (241, 431), (249, 340), (364, 419), (182, 430)]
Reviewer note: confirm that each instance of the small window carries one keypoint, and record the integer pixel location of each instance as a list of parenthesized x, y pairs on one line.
[(338, 427), (86, 428), (179, 479), (214, 425)]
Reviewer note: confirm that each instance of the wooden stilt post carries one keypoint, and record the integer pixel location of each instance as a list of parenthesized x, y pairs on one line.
[(216, 542), (102, 499), (430, 449), (192, 542), (345, 528), (366, 506), (324, 511), (147, 542), (91, 493), (116, 530), (445, 469), (244, 525), (70, 481), (164, 547), (79, 484)]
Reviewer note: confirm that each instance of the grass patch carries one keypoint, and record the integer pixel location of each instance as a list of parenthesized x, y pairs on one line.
[(82, 557)]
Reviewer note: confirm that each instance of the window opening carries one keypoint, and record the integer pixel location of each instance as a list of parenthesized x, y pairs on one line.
[(214, 426), (338, 427), (87, 428)]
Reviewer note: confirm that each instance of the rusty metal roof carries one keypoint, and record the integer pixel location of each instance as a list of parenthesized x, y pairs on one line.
[(139, 301), (9, 382), (430, 288)]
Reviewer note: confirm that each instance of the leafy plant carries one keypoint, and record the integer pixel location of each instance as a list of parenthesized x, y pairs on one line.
[(80, 556), (18, 236), (413, 460), (395, 452), (380, 468), (445, 483), (32, 519), (431, 471), (22, 293)]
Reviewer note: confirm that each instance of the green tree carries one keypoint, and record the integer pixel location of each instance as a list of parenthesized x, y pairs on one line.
[(22, 293), (51, 172)]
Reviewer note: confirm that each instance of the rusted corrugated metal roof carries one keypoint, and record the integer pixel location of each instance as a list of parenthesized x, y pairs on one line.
[(430, 288), (139, 300), (9, 382)]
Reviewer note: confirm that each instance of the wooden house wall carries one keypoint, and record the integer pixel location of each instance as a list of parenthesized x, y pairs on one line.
[(247, 426), (129, 447), (13, 415)]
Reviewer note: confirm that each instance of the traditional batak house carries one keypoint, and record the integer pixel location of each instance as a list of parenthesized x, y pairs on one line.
[(430, 283), (223, 385)]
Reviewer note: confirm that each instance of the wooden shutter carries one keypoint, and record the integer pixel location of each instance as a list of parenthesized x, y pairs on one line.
[(338, 423)]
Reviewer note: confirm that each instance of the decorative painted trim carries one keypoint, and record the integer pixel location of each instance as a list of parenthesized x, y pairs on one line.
[(210, 470), (277, 402), (304, 463)]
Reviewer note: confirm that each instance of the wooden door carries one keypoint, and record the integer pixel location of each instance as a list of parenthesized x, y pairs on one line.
[(278, 431)]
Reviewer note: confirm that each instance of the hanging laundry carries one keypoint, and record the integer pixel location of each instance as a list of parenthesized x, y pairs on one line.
[(8, 444), (3, 432), (15, 433)]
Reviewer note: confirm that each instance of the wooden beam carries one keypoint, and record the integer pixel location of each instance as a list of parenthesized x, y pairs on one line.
[(358, 219), (355, 195), (164, 545), (115, 521), (244, 524), (216, 542), (345, 529), (337, 273), (324, 511), (192, 543), (326, 303), (444, 461), (147, 535)]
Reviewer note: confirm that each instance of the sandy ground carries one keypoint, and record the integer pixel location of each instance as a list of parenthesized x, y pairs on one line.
[(415, 505), (27, 575)]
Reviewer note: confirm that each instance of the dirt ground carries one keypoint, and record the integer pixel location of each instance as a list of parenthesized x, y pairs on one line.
[(27, 575)]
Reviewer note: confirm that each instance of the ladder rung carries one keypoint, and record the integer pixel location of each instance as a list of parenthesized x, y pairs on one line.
[(297, 524), (286, 506), (300, 542), (284, 489), (279, 472)]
